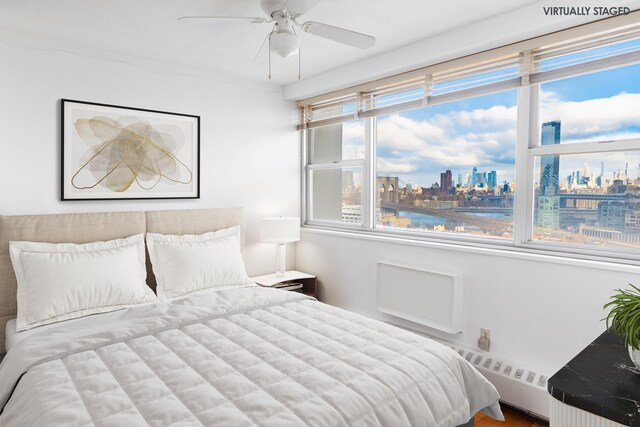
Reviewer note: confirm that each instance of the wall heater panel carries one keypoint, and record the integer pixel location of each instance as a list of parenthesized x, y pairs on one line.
[(430, 298)]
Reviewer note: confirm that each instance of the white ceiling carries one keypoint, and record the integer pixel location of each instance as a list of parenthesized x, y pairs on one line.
[(149, 30)]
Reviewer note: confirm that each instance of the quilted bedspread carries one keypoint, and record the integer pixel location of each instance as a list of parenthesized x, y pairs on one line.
[(239, 357)]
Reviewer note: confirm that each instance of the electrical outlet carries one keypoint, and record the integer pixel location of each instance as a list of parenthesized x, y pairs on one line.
[(484, 342)]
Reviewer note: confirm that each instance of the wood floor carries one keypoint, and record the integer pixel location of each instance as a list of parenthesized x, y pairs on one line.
[(512, 417)]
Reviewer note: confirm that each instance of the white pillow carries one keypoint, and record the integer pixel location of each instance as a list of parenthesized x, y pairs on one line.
[(187, 264), (64, 281)]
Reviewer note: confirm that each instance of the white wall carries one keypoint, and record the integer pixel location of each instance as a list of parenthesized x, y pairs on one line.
[(249, 148), (541, 311)]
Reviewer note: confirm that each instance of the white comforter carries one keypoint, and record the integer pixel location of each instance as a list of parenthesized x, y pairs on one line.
[(239, 357)]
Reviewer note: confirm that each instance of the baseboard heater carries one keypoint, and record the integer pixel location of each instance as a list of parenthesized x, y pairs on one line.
[(520, 386)]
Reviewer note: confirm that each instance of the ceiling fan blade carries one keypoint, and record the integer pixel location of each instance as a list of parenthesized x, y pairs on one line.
[(300, 6), (223, 19), (340, 35)]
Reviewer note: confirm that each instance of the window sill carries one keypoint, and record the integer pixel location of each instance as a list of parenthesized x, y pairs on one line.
[(505, 249)]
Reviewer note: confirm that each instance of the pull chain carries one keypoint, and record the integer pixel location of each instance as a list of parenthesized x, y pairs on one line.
[(299, 63), (270, 56)]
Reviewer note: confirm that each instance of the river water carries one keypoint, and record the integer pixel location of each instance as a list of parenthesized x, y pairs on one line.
[(425, 220)]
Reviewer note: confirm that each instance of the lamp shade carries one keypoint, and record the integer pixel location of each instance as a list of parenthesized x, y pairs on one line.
[(280, 230)]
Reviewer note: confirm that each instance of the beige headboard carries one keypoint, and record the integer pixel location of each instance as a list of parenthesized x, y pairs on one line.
[(92, 227)]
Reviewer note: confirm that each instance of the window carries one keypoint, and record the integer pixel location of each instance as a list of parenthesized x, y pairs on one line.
[(449, 168), (537, 148), (588, 192), (336, 155)]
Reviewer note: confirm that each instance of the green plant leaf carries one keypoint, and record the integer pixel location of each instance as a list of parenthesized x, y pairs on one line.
[(623, 318)]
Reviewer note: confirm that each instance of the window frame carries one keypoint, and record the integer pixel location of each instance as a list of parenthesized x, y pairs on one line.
[(528, 147), (432, 235), (309, 166)]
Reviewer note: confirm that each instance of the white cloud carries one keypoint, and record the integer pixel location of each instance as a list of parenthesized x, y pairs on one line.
[(353, 140), (451, 157), (395, 166), (353, 130), (609, 136), (548, 96), (582, 119), (432, 142), (497, 116), (403, 133)]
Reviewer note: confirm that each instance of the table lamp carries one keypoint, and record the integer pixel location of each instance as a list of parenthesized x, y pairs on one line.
[(280, 230)]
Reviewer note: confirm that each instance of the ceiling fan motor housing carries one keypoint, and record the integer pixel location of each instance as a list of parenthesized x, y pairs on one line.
[(271, 6), (284, 41)]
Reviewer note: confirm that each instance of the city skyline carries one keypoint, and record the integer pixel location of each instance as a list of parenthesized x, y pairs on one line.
[(564, 183)]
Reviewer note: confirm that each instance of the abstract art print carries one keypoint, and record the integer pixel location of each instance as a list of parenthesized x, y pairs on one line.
[(111, 152)]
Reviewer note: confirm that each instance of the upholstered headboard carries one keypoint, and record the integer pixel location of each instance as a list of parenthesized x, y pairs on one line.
[(92, 227)]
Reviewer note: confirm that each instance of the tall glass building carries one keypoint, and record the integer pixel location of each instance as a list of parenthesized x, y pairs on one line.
[(550, 165), (548, 212)]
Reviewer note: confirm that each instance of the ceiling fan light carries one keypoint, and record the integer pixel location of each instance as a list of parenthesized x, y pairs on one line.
[(284, 44)]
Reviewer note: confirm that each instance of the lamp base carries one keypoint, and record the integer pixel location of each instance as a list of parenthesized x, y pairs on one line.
[(281, 260)]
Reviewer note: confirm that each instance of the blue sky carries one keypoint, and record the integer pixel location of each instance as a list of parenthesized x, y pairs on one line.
[(417, 145)]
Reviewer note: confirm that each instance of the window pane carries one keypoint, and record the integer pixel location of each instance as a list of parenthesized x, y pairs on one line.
[(593, 54), (588, 199), (333, 143), (475, 80), (399, 97), (449, 168), (337, 194), (333, 110), (600, 106)]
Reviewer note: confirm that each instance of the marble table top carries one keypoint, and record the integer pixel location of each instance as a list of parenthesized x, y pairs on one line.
[(601, 380)]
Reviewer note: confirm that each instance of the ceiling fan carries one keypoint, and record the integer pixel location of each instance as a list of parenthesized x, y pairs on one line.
[(283, 39)]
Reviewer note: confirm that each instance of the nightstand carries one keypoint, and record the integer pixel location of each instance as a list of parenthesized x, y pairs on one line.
[(308, 281)]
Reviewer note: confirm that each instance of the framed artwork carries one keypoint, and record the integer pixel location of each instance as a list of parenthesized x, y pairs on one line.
[(111, 152)]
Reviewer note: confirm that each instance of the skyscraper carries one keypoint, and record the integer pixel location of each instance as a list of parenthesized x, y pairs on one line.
[(474, 176), (626, 170), (482, 178), (445, 181), (492, 180), (550, 165), (548, 212)]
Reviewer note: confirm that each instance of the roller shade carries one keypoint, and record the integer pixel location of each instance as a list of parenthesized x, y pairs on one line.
[(432, 89), (612, 49), (551, 57)]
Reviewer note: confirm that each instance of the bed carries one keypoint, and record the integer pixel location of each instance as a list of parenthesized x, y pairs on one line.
[(236, 356)]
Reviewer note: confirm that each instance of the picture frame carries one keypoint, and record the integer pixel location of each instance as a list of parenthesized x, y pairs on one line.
[(113, 152)]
